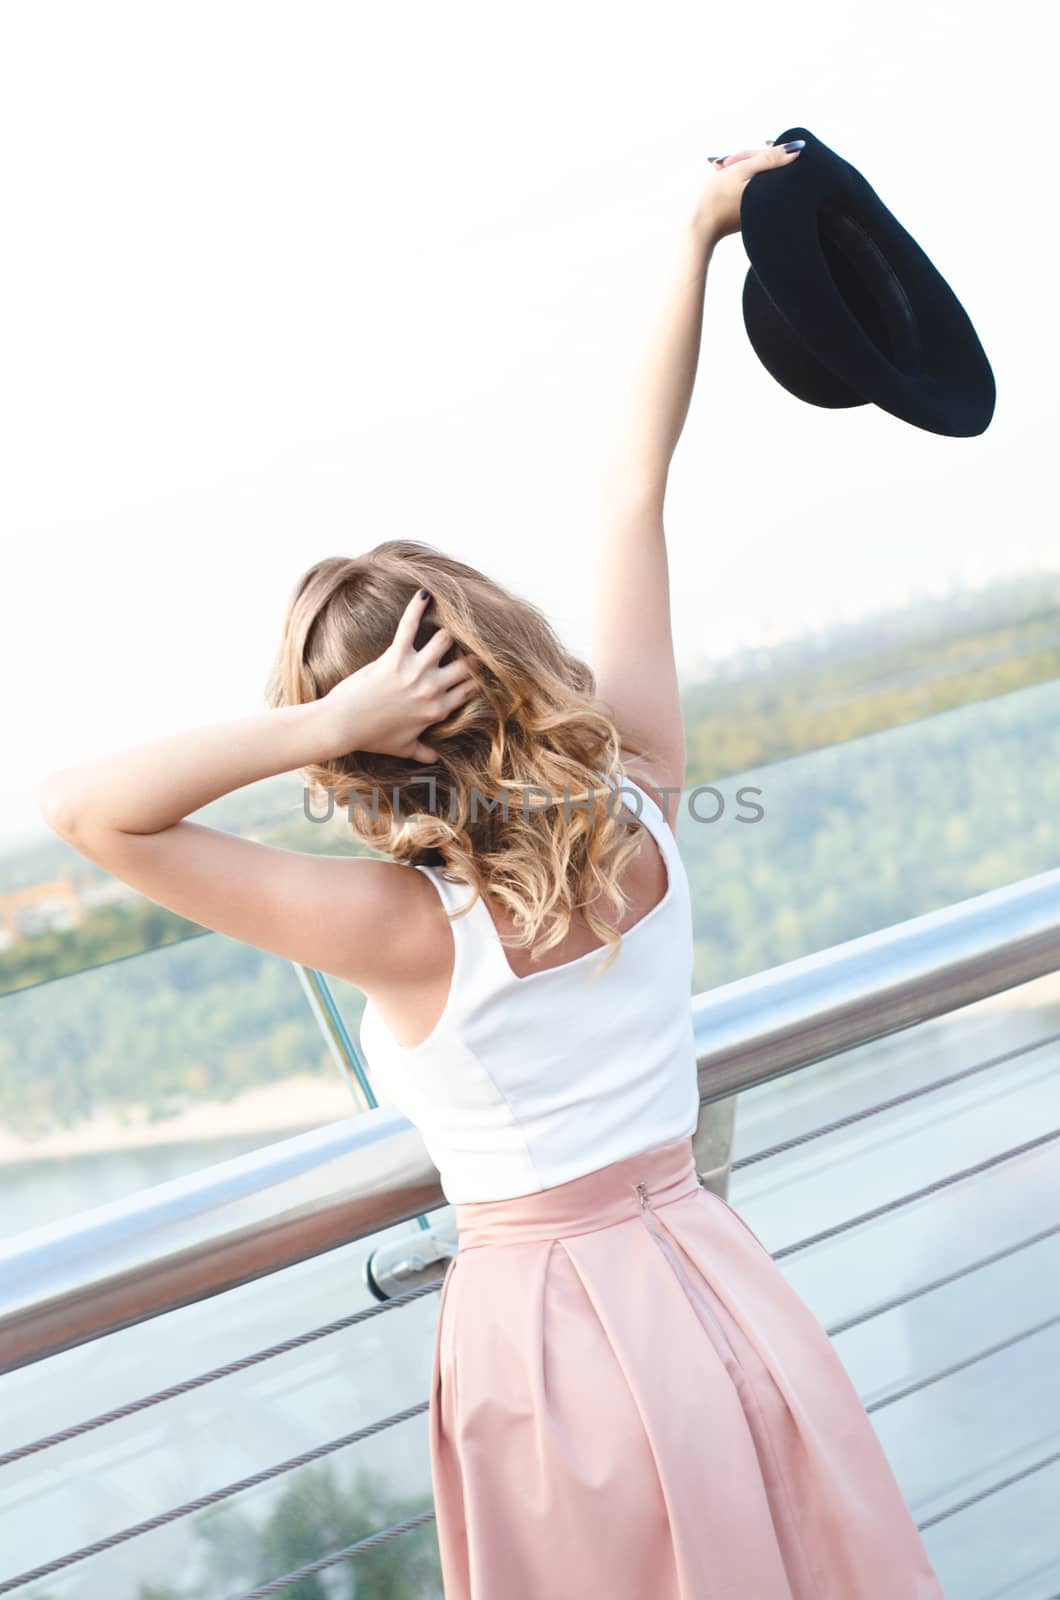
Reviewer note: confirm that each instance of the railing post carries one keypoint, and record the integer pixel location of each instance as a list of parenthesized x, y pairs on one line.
[(712, 1144)]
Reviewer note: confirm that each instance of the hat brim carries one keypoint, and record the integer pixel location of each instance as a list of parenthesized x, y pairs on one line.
[(842, 305)]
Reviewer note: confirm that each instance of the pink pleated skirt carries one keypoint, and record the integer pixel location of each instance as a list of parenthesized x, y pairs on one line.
[(629, 1400)]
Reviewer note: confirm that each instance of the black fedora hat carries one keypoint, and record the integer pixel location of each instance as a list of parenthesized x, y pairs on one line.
[(843, 307)]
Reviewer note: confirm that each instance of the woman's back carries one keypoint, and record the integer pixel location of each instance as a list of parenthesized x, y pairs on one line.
[(529, 1081)]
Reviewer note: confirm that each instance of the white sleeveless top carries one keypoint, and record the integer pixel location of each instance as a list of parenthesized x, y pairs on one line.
[(527, 1082)]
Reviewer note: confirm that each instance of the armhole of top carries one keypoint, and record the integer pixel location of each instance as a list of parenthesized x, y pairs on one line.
[(660, 813), (653, 817), (651, 807), (475, 935)]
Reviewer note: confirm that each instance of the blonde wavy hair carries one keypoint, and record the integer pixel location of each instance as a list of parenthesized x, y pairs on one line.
[(534, 723)]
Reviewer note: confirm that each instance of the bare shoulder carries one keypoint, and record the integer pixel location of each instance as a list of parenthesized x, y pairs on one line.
[(413, 938), (412, 983), (660, 781)]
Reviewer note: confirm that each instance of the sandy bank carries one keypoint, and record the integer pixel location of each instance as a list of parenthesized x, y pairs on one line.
[(295, 1102)]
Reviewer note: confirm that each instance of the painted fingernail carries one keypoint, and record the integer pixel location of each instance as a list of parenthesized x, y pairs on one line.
[(424, 595), (795, 144), (715, 158)]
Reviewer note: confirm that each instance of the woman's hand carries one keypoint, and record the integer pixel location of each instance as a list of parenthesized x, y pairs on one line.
[(718, 211), (147, 790), (385, 706)]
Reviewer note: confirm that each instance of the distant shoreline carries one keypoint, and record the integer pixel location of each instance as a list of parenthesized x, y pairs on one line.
[(272, 1107)]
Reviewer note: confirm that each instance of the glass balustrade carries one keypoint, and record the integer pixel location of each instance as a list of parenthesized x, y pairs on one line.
[(151, 1067), (863, 835), (190, 1446), (909, 1189), (944, 1304)]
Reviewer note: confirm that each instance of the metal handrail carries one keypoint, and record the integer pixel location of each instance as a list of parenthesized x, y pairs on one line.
[(186, 1240), (787, 1017)]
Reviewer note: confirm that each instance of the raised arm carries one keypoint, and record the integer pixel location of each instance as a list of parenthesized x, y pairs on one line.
[(632, 650), (129, 812)]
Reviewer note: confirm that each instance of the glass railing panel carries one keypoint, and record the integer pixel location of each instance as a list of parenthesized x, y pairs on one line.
[(126, 1075), (1014, 1099), (133, 1469), (1005, 1547), (860, 836), (958, 1375)]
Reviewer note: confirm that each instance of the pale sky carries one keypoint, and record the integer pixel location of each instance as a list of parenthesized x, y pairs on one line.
[(284, 280)]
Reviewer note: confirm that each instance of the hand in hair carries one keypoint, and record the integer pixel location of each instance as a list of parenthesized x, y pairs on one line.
[(385, 706)]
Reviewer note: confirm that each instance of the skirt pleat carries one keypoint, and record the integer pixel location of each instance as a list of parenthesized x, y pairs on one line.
[(628, 1398)]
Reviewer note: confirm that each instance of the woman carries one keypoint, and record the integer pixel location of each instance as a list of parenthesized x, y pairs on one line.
[(628, 1399)]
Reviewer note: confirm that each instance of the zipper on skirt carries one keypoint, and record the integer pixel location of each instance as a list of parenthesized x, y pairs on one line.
[(693, 1293)]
